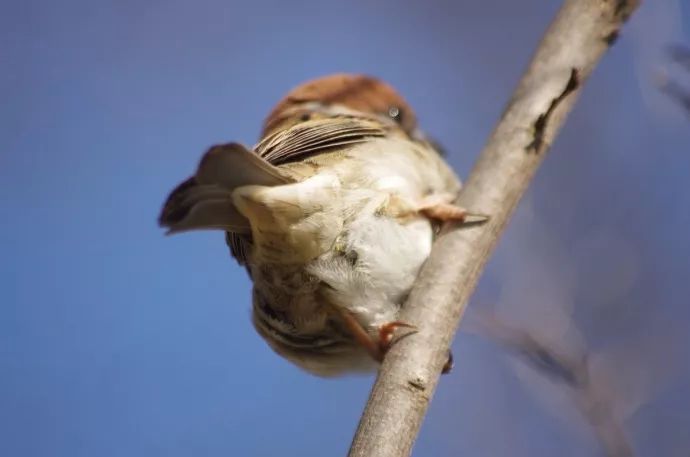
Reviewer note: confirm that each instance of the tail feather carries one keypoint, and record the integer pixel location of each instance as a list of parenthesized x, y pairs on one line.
[(211, 214), (232, 165), (204, 201)]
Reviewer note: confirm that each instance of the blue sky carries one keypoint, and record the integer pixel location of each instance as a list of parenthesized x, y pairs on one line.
[(116, 340)]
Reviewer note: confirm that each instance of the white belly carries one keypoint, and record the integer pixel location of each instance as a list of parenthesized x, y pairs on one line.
[(354, 225), (373, 270)]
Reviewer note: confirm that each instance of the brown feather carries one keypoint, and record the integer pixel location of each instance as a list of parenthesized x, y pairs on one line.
[(357, 92)]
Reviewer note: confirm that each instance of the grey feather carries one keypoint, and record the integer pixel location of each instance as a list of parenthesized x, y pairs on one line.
[(232, 165), (204, 201)]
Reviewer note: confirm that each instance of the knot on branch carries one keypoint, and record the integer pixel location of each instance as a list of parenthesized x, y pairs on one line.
[(541, 122)]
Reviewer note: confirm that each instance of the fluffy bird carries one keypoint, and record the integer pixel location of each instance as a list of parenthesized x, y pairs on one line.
[(332, 214)]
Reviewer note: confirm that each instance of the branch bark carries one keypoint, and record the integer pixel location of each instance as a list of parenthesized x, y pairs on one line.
[(572, 46)]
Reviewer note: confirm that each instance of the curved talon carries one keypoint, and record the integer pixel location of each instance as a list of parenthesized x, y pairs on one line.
[(378, 349), (386, 332)]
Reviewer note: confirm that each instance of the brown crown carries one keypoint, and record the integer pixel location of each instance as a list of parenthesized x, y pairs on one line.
[(357, 92)]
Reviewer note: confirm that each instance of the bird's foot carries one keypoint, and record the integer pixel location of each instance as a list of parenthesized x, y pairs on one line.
[(386, 333), (441, 208)]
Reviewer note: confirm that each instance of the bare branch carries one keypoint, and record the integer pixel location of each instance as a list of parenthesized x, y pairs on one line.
[(572, 46), (680, 55), (570, 368)]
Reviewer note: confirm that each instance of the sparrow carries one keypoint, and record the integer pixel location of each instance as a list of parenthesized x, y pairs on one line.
[(332, 214)]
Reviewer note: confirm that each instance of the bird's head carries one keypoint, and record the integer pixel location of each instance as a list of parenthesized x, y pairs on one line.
[(342, 94)]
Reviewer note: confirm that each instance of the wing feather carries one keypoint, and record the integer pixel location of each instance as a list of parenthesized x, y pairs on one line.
[(301, 141), (314, 136)]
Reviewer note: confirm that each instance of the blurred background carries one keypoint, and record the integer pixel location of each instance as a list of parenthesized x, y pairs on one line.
[(118, 341)]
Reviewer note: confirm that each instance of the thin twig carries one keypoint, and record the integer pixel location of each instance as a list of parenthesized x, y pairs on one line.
[(571, 48), (680, 55), (571, 368)]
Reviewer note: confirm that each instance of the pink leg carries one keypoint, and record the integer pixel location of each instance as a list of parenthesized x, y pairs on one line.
[(376, 347), (441, 208)]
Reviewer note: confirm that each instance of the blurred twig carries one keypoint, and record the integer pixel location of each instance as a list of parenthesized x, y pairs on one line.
[(680, 55), (570, 369), (572, 46)]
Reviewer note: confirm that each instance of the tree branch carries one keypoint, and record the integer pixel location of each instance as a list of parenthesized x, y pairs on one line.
[(571, 368), (574, 43), (681, 56)]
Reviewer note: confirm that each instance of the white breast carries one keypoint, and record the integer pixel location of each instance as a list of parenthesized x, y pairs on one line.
[(375, 268), (372, 270)]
